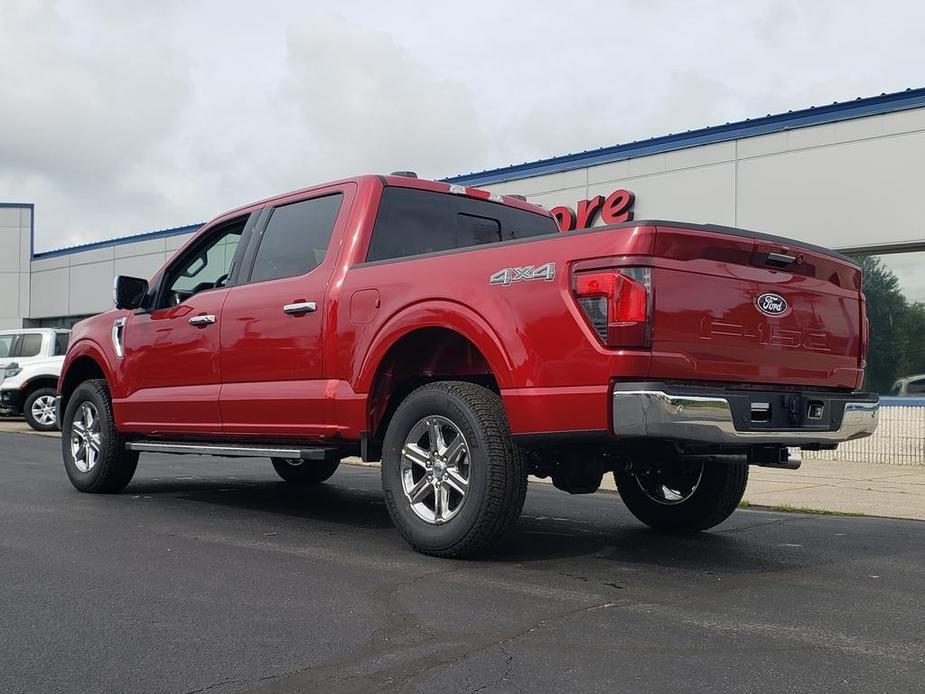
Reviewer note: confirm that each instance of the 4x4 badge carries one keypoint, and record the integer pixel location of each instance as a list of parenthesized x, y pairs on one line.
[(528, 272)]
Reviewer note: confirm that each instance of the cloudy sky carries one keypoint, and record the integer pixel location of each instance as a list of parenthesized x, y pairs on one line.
[(119, 117)]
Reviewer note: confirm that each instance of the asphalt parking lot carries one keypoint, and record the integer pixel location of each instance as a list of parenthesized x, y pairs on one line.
[(211, 574)]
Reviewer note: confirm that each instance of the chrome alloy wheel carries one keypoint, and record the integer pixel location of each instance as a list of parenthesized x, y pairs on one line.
[(43, 410), (435, 469), (669, 486), (85, 437)]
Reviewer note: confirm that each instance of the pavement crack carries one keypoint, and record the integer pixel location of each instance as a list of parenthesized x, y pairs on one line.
[(508, 671), (221, 683), (502, 644)]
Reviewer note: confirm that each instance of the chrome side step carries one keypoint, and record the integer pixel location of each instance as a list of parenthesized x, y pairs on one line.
[(235, 451)]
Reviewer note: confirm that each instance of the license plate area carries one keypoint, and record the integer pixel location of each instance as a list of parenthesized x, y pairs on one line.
[(793, 411)]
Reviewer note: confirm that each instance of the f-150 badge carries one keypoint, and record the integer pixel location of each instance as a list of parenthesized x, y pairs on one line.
[(509, 275)]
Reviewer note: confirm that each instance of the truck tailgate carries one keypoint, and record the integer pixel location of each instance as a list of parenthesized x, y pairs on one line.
[(738, 308)]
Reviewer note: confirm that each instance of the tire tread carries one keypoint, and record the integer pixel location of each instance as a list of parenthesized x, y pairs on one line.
[(719, 495), (506, 487), (117, 465)]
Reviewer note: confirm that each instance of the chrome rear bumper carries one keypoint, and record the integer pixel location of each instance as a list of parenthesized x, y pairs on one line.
[(709, 419)]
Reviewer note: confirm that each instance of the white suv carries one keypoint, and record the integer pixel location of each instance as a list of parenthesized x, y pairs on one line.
[(30, 363), (909, 387)]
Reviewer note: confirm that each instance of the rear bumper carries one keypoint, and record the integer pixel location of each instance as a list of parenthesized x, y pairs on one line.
[(722, 417)]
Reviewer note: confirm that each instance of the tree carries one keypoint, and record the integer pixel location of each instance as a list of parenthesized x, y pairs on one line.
[(896, 328)]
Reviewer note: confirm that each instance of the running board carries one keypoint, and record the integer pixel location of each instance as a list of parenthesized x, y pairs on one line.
[(235, 451)]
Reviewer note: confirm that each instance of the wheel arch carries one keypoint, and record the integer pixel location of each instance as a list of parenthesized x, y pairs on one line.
[(429, 342), (84, 361), (44, 381)]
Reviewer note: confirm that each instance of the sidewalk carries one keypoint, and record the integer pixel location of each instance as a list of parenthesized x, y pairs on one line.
[(18, 425), (873, 489)]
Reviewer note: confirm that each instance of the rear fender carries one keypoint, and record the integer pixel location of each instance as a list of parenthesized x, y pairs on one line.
[(438, 314)]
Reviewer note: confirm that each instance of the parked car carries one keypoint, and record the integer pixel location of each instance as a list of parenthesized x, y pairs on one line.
[(459, 337), (909, 387), (30, 363)]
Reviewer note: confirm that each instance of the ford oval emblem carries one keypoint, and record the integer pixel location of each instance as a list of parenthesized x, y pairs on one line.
[(771, 304)]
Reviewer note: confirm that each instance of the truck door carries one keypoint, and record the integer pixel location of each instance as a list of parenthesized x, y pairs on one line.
[(273, 323), (171, 353)]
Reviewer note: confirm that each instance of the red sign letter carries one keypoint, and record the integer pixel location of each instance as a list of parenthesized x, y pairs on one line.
[(586, 211), (618, 207), (565, 217)]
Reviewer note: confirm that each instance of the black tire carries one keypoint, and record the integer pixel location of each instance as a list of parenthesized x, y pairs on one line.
[(304, 471), (27, 409), (497, 473), (716, 496), (114, 466)]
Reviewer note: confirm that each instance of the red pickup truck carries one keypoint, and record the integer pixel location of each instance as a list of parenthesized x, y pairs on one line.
[(459, 337)]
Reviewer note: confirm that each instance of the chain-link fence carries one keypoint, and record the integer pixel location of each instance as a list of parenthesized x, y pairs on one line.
[(899, 439)]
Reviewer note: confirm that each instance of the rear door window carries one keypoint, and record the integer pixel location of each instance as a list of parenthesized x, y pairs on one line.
[(412, 222), (30, 345), (296, 238)]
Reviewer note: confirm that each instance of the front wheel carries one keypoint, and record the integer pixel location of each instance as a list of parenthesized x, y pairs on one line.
[(684, 497), (39, 409), (453, 479), (94, 451)]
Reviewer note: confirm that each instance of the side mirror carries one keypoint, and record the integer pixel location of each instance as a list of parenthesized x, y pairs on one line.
[(129, 292)]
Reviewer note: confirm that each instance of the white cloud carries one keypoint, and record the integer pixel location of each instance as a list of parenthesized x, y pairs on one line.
[(123, 117), (366, 105), (80, 110)]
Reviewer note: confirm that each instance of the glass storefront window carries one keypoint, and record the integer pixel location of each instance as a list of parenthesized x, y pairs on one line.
[(895, 289)]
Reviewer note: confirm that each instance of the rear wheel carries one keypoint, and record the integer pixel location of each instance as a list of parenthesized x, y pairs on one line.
[(299, 471), (452, 477), (683, 497), (39, 409), (94, 451)]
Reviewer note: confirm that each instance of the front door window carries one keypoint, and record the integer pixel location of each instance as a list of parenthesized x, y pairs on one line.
[(207, 268)]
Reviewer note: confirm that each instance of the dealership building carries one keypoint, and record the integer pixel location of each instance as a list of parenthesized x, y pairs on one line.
[(845, 175)]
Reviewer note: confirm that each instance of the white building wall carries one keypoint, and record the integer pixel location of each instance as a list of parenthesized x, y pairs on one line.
[(843, 185), (81, 282), (15, 245)]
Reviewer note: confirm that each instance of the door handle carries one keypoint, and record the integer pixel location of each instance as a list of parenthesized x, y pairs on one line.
[(780, 259), (301, 307), (202, 320)]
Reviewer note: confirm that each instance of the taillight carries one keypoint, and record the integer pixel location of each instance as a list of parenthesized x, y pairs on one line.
[(618, 304)]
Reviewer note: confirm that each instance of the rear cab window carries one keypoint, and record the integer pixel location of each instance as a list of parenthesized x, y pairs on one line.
[(61, 340), (413, 222)]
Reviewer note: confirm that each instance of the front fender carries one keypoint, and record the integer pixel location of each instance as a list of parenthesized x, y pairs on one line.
[(88, 347)]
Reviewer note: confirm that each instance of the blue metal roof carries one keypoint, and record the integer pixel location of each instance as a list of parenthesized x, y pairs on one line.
[(889, 401), (750, 127), (146, 236)]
